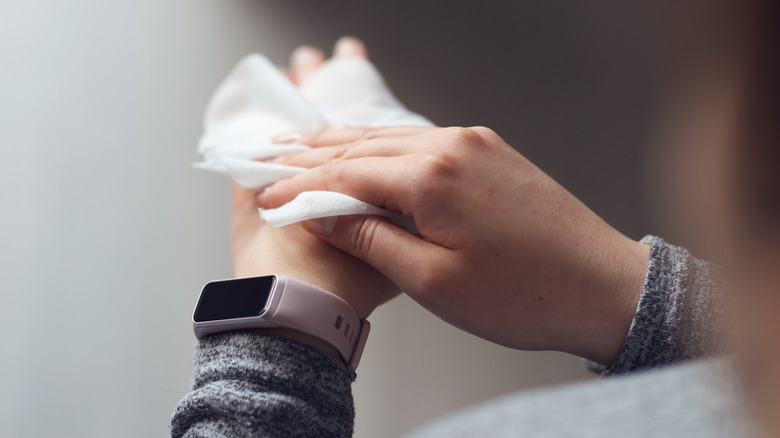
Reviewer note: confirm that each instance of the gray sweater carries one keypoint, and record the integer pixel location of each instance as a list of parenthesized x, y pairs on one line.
[(250, 385)]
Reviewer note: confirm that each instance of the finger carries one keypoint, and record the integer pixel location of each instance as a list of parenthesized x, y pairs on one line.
[(402, 257), (380, 147), (350, 47), (304, 61), (380, 181), (333, 137)]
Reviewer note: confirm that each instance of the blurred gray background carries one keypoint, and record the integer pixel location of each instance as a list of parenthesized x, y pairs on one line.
[(108, 234)]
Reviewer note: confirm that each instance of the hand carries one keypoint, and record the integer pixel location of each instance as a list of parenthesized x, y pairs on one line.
[(259, 249), (504, 252)]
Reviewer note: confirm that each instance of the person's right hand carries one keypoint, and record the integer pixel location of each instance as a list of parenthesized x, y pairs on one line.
[(504, 252)]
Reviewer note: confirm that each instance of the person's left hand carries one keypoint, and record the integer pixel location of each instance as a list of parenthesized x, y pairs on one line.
[(258, 249)]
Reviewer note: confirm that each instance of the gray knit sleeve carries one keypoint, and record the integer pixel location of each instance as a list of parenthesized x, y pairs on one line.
[(679, 315), (251, 385)]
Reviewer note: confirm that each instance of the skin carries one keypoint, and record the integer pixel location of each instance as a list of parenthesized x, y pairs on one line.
[(258, 249), (540, 271), (484, 273)]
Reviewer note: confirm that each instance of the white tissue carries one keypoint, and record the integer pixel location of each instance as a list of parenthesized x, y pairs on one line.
[(256, 102), (248, 173), (319, 204), (351, 91), (250, 150)]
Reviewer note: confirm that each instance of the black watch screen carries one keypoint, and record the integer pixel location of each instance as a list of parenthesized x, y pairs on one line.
[(229, 299)]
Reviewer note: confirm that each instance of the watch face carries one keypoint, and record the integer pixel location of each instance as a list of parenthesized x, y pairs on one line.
[(231, 299)]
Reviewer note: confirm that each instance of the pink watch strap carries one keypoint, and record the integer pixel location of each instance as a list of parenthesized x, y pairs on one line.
[(309, 309)]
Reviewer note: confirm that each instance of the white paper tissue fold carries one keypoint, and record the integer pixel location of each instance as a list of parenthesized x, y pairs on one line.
[(256, 101)]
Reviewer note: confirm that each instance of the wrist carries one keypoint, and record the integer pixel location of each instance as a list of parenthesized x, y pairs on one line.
[(293, 252), (628, 288), (611, 301), (341, 287)]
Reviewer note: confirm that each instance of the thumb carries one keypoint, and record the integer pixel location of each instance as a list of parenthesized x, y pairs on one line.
[(401, 256)]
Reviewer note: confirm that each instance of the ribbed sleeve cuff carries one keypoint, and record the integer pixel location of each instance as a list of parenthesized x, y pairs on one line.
[(246, 383), (679, 314)]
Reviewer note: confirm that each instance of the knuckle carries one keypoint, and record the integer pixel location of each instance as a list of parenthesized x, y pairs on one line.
[(332, 173), (338, 154), (368, 133), (433, 178), (364, 236), (437, 166), (459, 136), (485, 133), (372, 133)]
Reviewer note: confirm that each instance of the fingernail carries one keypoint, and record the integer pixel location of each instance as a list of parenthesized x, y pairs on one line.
[(289, 137), (336, 126), (323, 226)]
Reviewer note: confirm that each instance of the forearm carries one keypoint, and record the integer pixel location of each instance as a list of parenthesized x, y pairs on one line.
[(679, 315), (247, 384)]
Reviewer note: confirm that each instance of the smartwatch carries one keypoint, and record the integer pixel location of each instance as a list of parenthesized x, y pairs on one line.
[(277, 301)]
